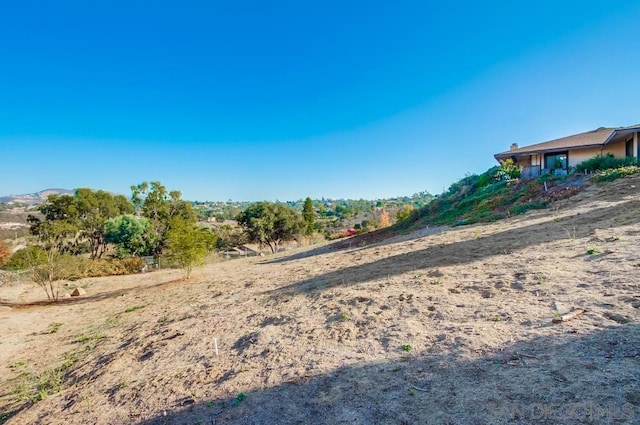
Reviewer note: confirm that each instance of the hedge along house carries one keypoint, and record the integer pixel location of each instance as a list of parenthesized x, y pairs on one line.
[(559, 156)]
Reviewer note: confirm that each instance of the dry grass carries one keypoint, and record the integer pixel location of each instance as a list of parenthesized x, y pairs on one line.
[(452, 326)]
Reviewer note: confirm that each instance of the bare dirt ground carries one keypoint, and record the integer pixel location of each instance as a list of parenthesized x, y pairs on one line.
[(442, 326)]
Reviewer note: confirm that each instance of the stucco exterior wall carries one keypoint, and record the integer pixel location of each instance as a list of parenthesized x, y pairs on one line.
[(617, 149), (577, 156)]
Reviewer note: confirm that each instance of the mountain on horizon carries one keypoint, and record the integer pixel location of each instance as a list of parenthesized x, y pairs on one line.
[(34, 198)]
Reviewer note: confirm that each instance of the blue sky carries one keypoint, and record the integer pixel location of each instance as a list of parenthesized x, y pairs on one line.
[(254, 100)]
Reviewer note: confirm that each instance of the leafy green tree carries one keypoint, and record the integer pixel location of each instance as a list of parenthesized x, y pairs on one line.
[(188, 244), (58, 224), (270, 224), (67, 221), (160, 207), (94, 209), (228, 237), (130, 234), (309, 216)]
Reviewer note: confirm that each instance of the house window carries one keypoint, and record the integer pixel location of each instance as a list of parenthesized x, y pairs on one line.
[(556, 161), (628, 148)]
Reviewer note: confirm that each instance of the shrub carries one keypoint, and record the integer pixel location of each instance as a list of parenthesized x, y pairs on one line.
[(405, 212), (82, 267), (604, 162), (384, 220), (188, 244), (612, 174), (5, 254), (24, 258), (132, 264), (487, 177), (509, 170)]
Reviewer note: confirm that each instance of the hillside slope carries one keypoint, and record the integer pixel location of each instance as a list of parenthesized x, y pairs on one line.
[(34, 198), (438, 326)]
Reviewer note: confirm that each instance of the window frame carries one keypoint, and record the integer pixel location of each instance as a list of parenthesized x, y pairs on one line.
[(556, 154)]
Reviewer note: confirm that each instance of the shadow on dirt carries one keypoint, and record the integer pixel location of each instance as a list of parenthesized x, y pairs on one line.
[(385, 236), (500, 243), (86, 298), (566, 379), (304, 254)]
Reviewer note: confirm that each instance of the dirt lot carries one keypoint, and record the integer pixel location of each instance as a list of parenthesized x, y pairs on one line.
[(442, 326)]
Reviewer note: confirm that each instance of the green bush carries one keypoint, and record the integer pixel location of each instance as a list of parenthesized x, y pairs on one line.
[(508, 170), (405, 212), (612, 174), (75, 267), (132, 265), (604, 162), (24, 258), (85, 267)]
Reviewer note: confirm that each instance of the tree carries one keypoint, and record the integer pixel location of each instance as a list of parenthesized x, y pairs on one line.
[(309, 216), (67, 220), (49, 267), (130, 234), (46, 266), (228, 237), (94, 209), (270, 224), (58, 226), (160, 207), (188, 244)]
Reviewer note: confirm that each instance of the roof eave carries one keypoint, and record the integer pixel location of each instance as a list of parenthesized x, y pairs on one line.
[(508, 154)]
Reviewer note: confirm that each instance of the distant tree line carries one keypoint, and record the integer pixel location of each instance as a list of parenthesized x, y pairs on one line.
[(92, 233)]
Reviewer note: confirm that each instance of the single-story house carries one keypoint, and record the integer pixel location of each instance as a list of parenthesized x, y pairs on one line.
[(561, 155)]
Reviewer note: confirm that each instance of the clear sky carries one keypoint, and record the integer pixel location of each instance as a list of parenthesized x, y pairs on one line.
[(255, 100)]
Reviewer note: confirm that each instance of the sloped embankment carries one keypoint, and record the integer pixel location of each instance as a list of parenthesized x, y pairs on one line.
[(455, 326)]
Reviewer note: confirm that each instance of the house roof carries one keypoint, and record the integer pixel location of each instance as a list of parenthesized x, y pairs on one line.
[(594, 138)]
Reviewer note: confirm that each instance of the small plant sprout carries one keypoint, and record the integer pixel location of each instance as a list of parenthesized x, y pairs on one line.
[(344, 317), (18, 364), (239, 398), (497, 318), (592, 251), (112, 321), (53, 327), (406, 348), (133, 308)]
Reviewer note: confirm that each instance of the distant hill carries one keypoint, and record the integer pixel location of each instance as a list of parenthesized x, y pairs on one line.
[(34, 198)]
